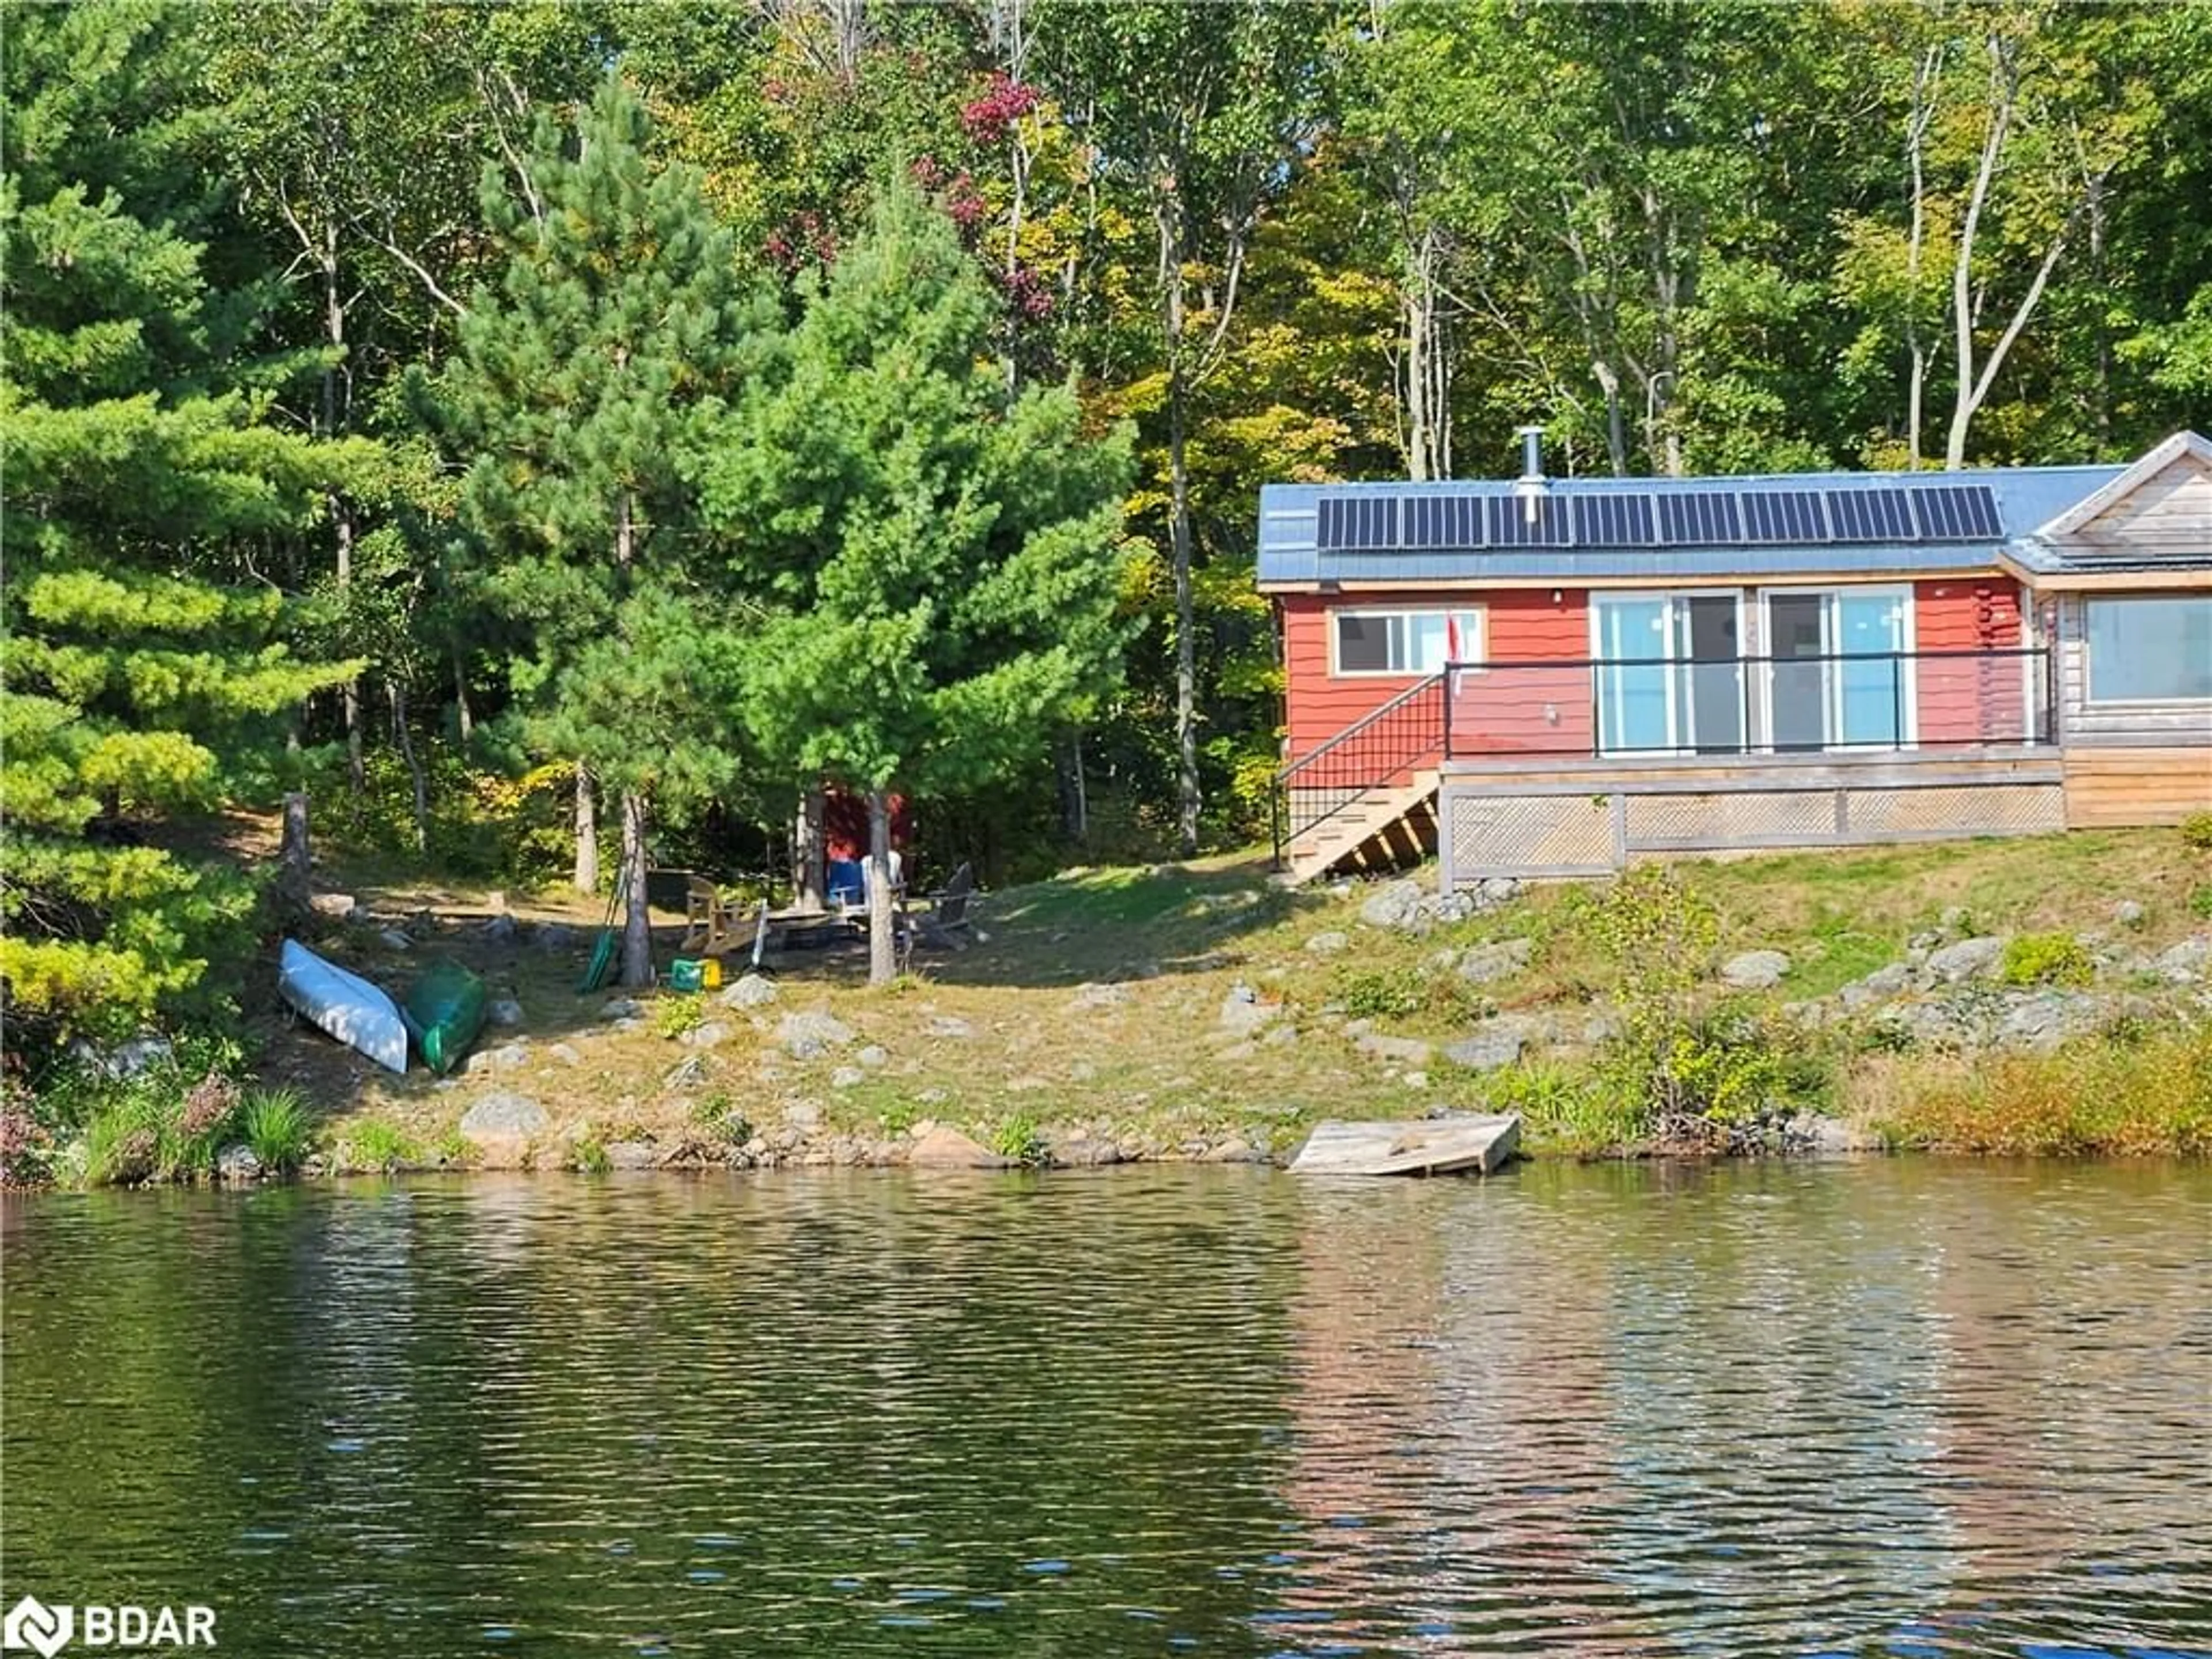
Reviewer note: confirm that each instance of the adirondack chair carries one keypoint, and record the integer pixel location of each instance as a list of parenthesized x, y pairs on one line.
[(715, 925), (946, 926)]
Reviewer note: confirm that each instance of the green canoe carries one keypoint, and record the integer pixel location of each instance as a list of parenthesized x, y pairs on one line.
[(444, 1009)]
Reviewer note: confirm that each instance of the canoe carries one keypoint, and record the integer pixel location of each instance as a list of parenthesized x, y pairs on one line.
[(344, 1005), (444, 1010)]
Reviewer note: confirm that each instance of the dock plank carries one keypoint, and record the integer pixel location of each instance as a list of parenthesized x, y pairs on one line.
[(1437, 1146)]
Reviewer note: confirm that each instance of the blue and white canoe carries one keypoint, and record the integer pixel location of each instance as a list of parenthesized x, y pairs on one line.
[(345, 1004)]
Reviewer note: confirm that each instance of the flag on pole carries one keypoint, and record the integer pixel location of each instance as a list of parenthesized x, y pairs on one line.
[(1455, 654)]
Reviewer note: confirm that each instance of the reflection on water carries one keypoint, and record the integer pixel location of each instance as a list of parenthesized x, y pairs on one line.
[(1910, 1408)]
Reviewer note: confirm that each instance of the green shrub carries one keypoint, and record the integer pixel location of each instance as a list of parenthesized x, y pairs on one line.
[(1017, 1138), (677, 1015), (2046, 959), (275, 1126), (142, 1130), (2200, 900), (1402, 992), (588, 1156), (2196, 831), (1702, 1076), (377, 1147), (719, 1116), (1568, 1110)]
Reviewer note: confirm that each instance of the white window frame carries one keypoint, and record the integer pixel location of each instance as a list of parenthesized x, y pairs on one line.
[(2089, 697), (1677, 718), (1474, 630), (1905, 597)]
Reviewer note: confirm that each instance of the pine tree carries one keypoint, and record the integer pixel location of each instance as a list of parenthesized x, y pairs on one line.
[(144, 670), (584, 394), (944, 568)]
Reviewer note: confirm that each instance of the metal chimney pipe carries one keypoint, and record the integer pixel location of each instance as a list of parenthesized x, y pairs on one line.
[(1531, 487), (1532, 454)]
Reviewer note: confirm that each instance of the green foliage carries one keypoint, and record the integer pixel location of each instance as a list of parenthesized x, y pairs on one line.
[(2196, 832), (2046, 959), (1017, 1138), (721, 1117), (148, 1130), (677, 1014), (275, 1124), (1401, 993), (377, 1146), (1569, 1111), (587, 1155), (2200, 900)]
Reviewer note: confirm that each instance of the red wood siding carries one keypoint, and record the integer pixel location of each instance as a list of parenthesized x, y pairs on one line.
[(1508, 708), (1970, 700), (1528, 711)]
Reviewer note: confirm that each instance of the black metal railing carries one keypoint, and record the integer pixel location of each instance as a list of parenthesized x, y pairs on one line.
[(1830, 702), (1368, 755)]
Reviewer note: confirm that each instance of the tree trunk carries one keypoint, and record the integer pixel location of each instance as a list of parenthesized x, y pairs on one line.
[(296, 879), (467, 715), (637, 921), (419, 783), (1074, 794), (586, 877), (356, 773), (807, 851), (1187, 801), (882, 952)]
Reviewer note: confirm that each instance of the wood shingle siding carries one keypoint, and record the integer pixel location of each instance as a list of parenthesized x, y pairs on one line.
[(1962, 702), (2117, 788)]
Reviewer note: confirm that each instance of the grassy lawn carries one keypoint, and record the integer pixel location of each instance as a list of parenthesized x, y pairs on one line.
[(1002, 1040)]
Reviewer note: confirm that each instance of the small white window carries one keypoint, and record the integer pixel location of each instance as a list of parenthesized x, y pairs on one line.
[(1405, 641), (2149, 650)]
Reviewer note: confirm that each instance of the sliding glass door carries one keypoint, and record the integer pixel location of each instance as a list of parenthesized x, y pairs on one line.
[(1839, 679), (1670, 677)]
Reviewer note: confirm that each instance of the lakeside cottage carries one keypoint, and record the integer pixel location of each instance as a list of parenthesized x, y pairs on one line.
[(1545, 677)]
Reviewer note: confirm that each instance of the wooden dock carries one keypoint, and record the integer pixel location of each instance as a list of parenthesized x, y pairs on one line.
[(1437, 1146)]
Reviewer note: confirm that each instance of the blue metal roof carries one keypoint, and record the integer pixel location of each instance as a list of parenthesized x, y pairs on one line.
[(2025, 498)]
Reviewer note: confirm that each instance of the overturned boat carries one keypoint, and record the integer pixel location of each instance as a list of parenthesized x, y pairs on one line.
[(348, 1007)]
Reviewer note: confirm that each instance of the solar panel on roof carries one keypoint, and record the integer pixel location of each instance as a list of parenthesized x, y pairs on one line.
[(1957, 512), (1783, 515), (1615, 520), (1686, 520), (1507, 522), (1348, 524), (1869, 515), (1443, 521)]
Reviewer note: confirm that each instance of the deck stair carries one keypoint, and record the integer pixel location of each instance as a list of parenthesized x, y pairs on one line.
[(1366, 799)]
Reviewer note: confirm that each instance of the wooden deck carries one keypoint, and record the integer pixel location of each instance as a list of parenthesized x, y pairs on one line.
[(1440, 1146)]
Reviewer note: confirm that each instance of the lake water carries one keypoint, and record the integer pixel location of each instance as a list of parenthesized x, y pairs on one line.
[(1907, 1407)]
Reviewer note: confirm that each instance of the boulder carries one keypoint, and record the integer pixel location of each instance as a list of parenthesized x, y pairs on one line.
[(1242, 1013), (847, 1077), (551, 936), (1486, 1049), (1830, 1136), (1969, 958), (237, 1163), (943, 1148), (1878, 986), (2185, 963), (126, 1059), (500, 930), (2040, 1021), (1330, 944), (1397, 905), (2128, 913), (949, 1026), (705, 1035), (508, 1057), (810, 1035), (566, 1053), (1954, 919), (337, 906), (1110, 995), (685, 1074), (803, 1115), (621, 1008), (1408, 1051), (1448, 908), (1486, 962), (504, 1011), (393, 939), (1754, 970), (500, 1118), (632, 1155), (752, 991)]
